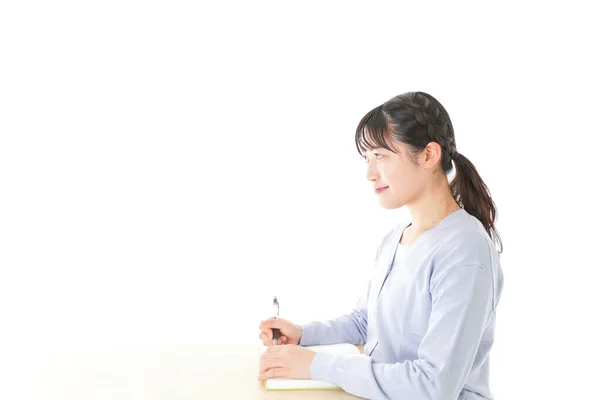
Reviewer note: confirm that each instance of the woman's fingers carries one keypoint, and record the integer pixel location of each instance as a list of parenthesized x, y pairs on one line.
[(269, 341), (270, 363), (269, 356), (267, 332), (274, 373), (265, 339)]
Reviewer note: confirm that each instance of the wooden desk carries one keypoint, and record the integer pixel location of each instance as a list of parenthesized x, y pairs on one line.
[(160, 372)]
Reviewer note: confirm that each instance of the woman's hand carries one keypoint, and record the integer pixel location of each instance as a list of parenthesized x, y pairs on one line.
[(290, 333), (286, 361)]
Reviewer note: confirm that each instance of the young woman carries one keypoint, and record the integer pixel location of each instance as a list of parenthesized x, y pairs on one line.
[(429, 316)]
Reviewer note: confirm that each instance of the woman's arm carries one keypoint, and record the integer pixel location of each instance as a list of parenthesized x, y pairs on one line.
[(461, 310), (350, 328)]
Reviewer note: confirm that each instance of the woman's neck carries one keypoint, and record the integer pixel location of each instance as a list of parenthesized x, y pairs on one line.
[(431, 208)]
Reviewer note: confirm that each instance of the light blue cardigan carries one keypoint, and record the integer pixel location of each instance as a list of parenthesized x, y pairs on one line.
[(427, 321)]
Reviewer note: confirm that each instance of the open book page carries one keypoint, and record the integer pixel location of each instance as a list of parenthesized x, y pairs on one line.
[(306, 384)]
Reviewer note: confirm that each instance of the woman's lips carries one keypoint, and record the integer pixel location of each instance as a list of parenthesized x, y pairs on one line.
[(381, 189)]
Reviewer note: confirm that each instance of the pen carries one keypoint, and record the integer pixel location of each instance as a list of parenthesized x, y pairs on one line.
[(275, 315)]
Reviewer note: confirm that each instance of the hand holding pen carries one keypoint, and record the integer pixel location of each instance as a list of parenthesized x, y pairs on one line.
[(276, 330)]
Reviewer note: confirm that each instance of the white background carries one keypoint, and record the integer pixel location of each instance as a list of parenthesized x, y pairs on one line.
[(167, 167)]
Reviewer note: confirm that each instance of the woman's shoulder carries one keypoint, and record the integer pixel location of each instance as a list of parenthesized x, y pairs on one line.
[(466, 243), (463, 241)]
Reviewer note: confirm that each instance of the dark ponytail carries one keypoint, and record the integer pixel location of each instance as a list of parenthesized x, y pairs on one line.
[(416, 119), (471, 192)]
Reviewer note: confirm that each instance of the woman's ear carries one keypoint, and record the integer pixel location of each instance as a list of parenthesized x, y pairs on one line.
[(432, 155)]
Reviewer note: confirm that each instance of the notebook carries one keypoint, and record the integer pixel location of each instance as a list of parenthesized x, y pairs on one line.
[(310, 384)]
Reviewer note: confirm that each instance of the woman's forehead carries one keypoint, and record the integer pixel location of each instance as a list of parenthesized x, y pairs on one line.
[(379, 142), (393, 147)]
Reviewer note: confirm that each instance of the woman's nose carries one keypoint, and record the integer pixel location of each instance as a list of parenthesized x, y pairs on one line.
[(372, 173)]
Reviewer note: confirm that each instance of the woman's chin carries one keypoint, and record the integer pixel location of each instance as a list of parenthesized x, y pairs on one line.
[(389, 205), (389, 202)]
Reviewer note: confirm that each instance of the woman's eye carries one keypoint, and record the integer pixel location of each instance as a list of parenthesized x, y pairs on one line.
[(376, 155)]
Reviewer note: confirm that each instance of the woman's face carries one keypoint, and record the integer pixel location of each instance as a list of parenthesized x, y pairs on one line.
[(396, 180)]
